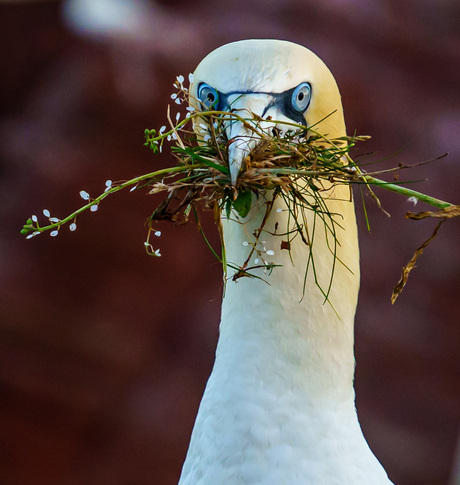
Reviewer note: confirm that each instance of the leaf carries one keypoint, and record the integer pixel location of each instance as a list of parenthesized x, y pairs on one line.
[(209, 163), (242, 204), (286, 245), (199, 158), (228, 207)]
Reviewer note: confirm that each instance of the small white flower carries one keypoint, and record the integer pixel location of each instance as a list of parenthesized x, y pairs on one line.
[(36, 233), (161, 150), (256, 261), (157, 233), (177, 116), (279, 210), (163, 128), (46, 212), (180, 79), (157, 252), (188, 115), (190, 78), (84, 195), (34, 218), (263, 242), (414, 200), (173, 96), (270, 252), (54, 219), (178, 101), (190, 108), (108, 183), (73, 226), (94, 208), (202, 125), (245, 243), (134, 188), (30, 236), (207, 137), (174, 136), (54, 233), (169, 138)]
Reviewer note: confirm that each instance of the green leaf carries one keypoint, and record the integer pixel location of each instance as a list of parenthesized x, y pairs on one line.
[(207, 162), (242, 204), (198, 158), (228, 207)]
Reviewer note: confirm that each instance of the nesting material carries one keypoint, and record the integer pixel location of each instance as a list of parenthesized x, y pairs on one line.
[(299, 164)]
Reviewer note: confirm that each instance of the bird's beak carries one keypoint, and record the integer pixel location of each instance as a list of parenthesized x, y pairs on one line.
[(241, 142), (241, 139)]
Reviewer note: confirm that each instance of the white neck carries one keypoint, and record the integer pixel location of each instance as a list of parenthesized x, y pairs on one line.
[(292, 328), (279, 405)]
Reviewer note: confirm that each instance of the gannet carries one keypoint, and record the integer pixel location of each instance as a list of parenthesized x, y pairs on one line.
[(279, 406)]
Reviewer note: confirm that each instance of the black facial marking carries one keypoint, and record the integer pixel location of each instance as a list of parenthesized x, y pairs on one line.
[(283, 101)]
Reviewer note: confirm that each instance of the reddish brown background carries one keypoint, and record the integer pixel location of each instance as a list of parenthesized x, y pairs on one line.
[(104, 351)]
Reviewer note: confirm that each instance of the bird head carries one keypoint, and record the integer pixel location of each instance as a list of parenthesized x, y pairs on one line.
[(277, 81)]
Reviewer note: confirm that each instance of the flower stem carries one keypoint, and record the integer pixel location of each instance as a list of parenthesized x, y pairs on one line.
[(116, 188), (440, 204)]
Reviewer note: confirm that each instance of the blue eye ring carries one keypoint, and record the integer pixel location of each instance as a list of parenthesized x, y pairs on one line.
[(300, 98), (208, 96)]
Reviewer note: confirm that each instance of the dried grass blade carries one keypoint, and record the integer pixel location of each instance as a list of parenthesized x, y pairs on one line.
[(447, 213), (411, 265)]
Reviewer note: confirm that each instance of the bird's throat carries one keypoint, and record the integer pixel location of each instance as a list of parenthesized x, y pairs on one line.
[(282, 326)]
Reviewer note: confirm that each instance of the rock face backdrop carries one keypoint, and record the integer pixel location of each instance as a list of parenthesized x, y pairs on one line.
[(105, 351)]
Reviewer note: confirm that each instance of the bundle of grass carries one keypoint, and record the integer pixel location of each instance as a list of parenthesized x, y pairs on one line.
[(299, 164)]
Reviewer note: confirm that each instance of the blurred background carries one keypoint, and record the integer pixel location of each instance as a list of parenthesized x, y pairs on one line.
[(105, 351)]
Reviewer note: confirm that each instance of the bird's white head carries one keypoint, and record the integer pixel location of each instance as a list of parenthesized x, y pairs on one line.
[(275, 80), (279, 405)]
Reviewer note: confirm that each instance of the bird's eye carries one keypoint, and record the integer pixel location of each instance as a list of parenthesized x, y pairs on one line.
[(301, 97), (208, 96)]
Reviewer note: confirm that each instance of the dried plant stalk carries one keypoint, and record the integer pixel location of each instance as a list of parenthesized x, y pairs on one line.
[(280, 162)]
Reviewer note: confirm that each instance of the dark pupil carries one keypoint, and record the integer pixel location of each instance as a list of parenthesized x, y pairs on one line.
[(210, 97), (300, 96)]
